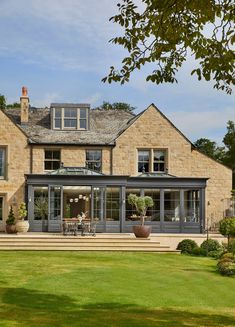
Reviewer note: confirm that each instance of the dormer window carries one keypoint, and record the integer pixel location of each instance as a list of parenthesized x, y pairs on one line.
[(70, 117), (57, 118)]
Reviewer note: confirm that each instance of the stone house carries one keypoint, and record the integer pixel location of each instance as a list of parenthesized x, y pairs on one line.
[(69, 159)]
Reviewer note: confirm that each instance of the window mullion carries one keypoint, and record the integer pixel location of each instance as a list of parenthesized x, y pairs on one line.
[(78, 118), (151, 161), (62, 118)]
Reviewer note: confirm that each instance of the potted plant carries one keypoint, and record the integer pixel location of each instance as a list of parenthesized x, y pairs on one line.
[(10, 222), (22, 226), (67, 211), (41, 208), (141, 204)]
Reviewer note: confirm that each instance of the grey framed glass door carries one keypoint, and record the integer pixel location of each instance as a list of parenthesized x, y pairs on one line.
[(55, 208)]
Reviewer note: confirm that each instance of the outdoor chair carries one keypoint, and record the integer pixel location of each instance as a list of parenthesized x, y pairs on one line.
[(71, 227), (89, 228)]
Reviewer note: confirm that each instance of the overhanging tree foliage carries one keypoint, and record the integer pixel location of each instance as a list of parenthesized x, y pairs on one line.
[(165, 32), (229, 141)]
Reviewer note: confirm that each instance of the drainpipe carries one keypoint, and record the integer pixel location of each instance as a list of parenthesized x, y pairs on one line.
[(111, 161), (31, 160)]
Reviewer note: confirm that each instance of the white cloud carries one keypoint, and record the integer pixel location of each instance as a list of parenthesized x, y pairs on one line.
[(65, 34)]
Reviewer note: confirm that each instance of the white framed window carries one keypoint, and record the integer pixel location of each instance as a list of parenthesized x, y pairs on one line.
[(152, 160), (2, 162), (70, 118)]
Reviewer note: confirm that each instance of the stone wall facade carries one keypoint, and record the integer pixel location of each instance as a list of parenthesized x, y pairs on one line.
[(12, 188), (150, 130), (219, 185), (154, 131), (71, 156)]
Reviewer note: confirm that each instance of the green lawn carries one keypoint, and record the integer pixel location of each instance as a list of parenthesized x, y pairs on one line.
[(113, 289)]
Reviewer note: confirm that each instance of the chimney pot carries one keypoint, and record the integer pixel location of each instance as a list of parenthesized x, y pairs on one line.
[(24, 91)]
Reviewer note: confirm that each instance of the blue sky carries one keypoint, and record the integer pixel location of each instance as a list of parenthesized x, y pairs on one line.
[(59, 49)]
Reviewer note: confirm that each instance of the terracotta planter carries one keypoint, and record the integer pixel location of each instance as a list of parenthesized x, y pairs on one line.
[(11, 229), (142, 231), (22, 226)]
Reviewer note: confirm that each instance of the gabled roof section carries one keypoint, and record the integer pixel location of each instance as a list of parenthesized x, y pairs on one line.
[(159, 111), (104, 127), (4, 111)]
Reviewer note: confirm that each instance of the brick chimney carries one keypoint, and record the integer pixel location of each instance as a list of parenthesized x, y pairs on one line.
[(24, 105)]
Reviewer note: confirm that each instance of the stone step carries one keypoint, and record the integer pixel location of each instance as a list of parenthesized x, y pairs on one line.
[(87, 244), (100, 248), (77, 239), (60, 235), (102, 242), (81, 244)]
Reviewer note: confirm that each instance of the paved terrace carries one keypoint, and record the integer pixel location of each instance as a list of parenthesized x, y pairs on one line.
[(100, 242)]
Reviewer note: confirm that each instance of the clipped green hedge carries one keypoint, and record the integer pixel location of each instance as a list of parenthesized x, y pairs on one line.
[(211, 245), (187, 246), (226, 267)]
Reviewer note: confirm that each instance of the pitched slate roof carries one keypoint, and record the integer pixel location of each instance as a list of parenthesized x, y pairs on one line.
[(105, 126)]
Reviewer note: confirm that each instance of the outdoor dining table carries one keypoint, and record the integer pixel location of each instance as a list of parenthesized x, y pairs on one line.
[(74, 226)]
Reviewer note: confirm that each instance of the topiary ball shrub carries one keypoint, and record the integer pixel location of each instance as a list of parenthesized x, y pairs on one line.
[(226, 267), (227, 227), (187, 246), (211, 245)]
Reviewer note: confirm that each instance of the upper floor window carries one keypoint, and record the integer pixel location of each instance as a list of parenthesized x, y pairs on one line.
[(94, 160), (159, 160), (152, 160), (143, 161), (2, 163), (70, 118), (52, 160)]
